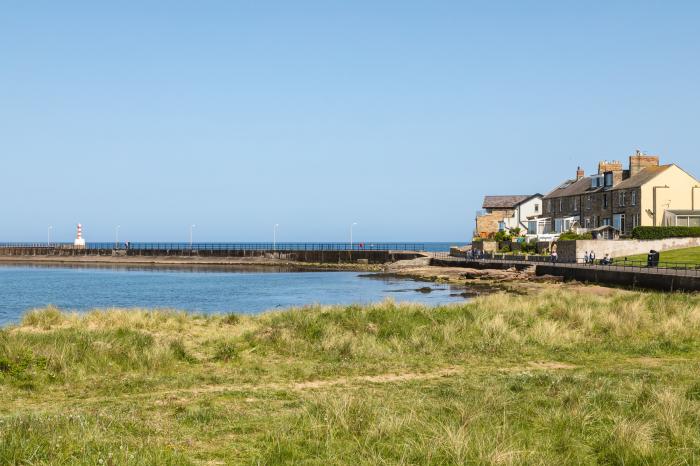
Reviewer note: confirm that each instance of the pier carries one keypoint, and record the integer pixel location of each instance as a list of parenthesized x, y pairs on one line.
[(369, 253)]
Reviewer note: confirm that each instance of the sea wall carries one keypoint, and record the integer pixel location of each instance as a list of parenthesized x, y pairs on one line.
[(574, 250), (638, 278), (322, 257)]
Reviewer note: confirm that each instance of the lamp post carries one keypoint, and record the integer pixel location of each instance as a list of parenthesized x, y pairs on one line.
[(351, 226), (116, 236), (274, 236), (48, 234), (191, 227)]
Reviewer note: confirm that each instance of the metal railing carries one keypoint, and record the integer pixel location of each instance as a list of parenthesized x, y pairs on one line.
[(359, 246), (622, 265)]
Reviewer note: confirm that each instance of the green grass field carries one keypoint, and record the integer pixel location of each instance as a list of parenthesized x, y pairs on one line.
[(686, 255), (574, 375)]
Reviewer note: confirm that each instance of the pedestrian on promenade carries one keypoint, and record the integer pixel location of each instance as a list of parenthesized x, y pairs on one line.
[(591, 258), (586, 258)]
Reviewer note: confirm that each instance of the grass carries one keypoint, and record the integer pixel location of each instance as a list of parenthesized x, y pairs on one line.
[(568, 376), (685, 255)]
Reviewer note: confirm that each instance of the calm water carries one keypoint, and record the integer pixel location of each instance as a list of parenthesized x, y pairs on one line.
[(198, 289)]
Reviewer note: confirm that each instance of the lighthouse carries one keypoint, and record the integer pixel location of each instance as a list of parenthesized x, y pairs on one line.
[(79, 240)]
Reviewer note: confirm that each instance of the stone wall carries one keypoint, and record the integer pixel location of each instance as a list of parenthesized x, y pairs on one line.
[(485, 246), (488, 223), (570, 251), (635, 278)]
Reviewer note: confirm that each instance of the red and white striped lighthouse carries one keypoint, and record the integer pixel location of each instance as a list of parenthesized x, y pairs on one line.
[(79, 241)]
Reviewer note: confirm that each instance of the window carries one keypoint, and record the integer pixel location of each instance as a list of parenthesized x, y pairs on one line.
[(588, 203), (588, 222), (605, 201), (619, 222), (608, 179), (621, 199), (537, 207), (561, 204), (634, 197), (558, 225), (575, 204), (606, 221)]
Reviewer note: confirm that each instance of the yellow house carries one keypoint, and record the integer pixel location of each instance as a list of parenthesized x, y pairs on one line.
[(671, 197), (645, 194)]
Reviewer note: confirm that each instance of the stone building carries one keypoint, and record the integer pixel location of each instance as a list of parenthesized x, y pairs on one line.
[(624, 198), (507, 212)]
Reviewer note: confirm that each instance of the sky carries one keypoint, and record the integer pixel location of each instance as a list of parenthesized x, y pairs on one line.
[(397, 115)]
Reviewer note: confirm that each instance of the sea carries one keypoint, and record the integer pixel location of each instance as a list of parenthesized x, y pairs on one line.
[(244, 290)]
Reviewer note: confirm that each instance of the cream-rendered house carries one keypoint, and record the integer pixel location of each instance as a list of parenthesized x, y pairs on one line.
[(672, 189), (644, 194)]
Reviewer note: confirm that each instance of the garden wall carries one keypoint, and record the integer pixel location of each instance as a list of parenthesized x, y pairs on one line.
[(574, 250)]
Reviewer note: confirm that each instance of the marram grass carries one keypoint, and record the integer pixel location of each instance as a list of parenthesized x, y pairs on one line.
[(563, 377)]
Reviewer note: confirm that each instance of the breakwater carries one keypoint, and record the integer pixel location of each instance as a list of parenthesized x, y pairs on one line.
[(322, 253)]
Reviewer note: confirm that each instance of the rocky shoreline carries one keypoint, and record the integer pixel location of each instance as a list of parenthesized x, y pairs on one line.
[(511, 280)]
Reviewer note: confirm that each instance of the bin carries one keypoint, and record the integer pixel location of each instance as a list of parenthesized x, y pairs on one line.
[(653, 258)]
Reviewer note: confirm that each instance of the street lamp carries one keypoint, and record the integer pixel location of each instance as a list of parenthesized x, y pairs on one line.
[(191, 227), (274, 236), (48, 234), (116, 236), (351, 226)]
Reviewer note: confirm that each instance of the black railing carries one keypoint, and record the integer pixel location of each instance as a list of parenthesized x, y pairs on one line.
[(674, 268), (359, 246)]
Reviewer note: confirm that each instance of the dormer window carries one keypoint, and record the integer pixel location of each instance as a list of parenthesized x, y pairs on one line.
[(608, 180)]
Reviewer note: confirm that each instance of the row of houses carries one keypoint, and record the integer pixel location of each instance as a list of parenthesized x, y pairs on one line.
[(614, 199)]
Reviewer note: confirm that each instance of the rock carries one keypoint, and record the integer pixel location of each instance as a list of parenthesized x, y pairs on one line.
[(424, 289)]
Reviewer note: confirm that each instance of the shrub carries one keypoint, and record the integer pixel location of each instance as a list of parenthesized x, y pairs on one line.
[(231, 319), (180, 352), (665, 232), (570, 235), (502, 236), (225, 351)]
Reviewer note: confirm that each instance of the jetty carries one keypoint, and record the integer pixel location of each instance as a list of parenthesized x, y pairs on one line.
[(322, 253)]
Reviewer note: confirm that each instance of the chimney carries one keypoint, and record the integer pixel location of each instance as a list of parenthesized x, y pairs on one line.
[(639, 161), (579, 173), (613, 166)]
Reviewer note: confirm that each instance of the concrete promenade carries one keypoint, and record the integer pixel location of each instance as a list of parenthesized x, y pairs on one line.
[(665, 279)]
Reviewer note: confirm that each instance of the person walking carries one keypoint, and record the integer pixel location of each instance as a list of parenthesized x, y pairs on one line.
[(591, 258)]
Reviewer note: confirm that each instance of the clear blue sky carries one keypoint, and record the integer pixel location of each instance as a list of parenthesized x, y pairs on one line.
[(398, 115)]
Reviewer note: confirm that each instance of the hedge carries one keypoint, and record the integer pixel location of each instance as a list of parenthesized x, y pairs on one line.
[(665, 232)]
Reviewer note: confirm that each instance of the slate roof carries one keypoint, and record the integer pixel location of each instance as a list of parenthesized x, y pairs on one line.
[(642, 177), (506, 202), (572, 188), (583, 186)]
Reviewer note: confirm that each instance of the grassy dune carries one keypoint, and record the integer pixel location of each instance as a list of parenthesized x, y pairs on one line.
[(565, 377)]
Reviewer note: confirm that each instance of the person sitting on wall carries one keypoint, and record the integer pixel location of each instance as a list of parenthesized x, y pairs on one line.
[(606, 260)]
